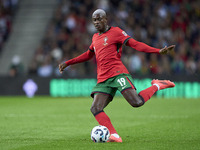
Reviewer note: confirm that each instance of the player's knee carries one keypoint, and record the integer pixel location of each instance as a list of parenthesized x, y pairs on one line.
[(137, 103), (94, 109)]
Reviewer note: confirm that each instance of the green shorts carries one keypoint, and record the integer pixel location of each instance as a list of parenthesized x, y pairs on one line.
[(121, 82)]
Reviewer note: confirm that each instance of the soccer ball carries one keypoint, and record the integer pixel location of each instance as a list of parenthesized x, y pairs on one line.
[(100, 134)]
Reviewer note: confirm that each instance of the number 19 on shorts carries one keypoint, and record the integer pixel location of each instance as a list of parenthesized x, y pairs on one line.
[(122, 81)]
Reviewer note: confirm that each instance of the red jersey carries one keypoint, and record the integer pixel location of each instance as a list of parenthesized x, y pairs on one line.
[(108, 50), (107, 47)]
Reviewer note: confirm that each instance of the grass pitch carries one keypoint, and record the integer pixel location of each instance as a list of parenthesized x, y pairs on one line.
[(47, 123)]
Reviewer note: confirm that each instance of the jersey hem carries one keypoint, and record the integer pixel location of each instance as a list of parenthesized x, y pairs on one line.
[(92, 94), (111, 77), (126, 89)]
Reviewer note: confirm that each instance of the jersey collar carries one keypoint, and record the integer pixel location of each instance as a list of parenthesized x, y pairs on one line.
[(105, 31)]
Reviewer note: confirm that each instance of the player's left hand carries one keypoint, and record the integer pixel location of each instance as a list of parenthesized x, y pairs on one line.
[(166, 49)]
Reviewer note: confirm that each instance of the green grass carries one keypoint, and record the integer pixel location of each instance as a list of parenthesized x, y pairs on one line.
[(46, 123)]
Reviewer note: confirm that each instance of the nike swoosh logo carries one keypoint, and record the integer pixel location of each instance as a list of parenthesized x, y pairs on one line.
[(124, 87), (164, 83)]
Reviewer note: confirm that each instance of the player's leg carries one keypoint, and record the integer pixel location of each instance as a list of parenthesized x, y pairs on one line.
[(156, 85), (103, 94), (137, 100), (99, 103), (133, 98)]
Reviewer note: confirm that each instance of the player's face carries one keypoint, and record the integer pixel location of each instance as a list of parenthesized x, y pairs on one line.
[(99, 22)]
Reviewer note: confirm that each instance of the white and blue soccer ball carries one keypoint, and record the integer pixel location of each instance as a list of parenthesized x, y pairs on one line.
[(100, 134)]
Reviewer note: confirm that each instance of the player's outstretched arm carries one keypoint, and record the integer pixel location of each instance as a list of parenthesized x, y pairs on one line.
[(62, 67), (142, 47), (81, 58), (166, 49)]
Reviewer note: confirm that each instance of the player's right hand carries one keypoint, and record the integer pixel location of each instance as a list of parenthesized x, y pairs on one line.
[(62, 67)]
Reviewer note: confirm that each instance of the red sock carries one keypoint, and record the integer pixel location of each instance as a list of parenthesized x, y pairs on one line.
[(148, 93), (104, 120)]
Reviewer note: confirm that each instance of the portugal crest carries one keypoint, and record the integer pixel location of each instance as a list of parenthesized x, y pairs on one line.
[(105, 41)]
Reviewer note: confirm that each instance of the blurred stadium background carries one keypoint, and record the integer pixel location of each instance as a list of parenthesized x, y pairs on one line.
[(37, 35)]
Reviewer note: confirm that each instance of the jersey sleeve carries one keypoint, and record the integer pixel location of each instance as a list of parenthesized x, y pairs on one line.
[(122, 36), (81, 58), (142, 47), (91, 48)]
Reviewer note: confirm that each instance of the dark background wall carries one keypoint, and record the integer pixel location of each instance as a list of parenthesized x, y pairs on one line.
[(186, 86)]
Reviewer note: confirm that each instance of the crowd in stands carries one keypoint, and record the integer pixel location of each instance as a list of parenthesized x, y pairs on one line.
[(7, 11), (157, 23)]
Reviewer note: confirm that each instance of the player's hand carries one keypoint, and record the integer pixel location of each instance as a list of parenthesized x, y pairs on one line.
[(62, 67), (166, 49)]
